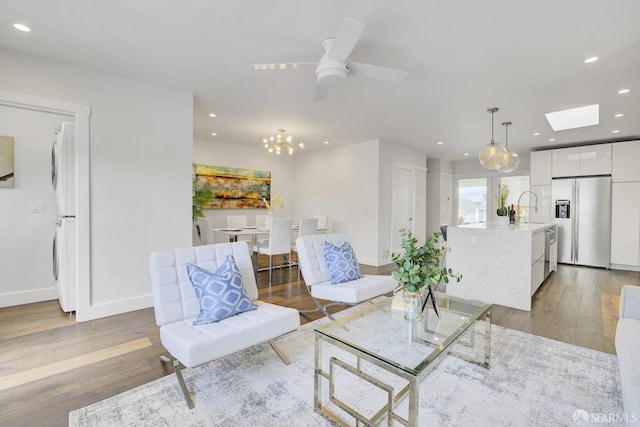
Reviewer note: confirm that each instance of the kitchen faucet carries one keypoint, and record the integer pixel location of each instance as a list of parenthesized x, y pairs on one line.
[(518, 204)]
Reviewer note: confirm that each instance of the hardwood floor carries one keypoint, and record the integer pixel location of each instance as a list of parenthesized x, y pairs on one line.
[(50, 365)]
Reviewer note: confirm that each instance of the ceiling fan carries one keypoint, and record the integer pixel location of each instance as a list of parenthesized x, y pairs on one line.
[(333, 69)]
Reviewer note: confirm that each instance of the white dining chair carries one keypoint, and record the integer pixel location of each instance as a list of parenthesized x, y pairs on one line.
[(323, 222), (261, 221), (205, 233), (308, 226), (279, 243), (236, 221)]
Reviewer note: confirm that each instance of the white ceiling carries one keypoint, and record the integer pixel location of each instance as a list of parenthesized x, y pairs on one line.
[(527, 58)]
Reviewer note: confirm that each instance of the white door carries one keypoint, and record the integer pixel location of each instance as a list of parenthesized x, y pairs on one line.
[(402, 204)]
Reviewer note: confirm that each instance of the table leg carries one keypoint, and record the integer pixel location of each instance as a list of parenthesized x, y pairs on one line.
[(317, 395), (487, 340)]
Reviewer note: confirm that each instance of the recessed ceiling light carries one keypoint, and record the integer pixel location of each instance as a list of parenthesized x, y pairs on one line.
[(212, 115), (574, 118), (619, 115), (551, 139), (590, 60), (615, 131), (214, 134), (623, 91), (22, 27), (536, 133), (326, 142), (440, 143), (466, 154)]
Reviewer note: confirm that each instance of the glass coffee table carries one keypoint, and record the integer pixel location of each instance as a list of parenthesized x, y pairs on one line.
[(381, 336)]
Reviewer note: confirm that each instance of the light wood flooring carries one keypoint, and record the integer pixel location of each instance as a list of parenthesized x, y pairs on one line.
[(50, 365)]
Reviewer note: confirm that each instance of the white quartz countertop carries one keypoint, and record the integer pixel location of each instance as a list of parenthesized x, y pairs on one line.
[(518, 226)]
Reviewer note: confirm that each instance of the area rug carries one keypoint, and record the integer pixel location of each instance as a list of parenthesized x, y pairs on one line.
[(533, 381)]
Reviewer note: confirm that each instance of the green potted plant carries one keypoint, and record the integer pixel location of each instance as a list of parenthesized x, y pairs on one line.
[(201, 197), (420, 268), (502, 210)]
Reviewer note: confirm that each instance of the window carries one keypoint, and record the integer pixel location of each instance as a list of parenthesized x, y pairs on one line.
[(472, 200), (477, 196)]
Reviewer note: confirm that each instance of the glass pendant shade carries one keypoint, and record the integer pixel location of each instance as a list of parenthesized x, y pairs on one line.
[(510, 159), (491, 155), (509, 163)]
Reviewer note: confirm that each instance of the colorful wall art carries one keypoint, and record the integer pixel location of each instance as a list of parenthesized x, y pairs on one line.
[(234, 188), (6, 161)]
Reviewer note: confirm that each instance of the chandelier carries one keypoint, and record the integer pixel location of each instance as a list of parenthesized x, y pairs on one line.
[(279, 143), (495, 156)]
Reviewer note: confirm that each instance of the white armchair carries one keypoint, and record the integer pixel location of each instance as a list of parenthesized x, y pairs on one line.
[(317, 277), (176, 307)]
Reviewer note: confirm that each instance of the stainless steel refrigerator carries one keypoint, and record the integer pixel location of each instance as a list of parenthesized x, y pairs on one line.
[(583, 215)]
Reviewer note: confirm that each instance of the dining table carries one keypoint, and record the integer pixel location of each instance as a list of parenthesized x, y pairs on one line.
[(254, 232)]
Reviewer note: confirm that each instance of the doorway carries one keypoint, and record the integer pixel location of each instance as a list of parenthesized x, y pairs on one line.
[(80, 114)]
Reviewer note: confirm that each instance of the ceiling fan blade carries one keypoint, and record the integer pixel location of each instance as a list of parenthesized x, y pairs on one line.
[(284, 66), (320, 93), (348, 35), (376, 72)]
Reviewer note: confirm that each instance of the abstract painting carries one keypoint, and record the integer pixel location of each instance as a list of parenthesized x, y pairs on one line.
[(6, 161), (234, 188)]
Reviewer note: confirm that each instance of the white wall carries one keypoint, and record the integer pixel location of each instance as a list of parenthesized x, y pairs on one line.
[(26, 238), (141, 139), (216, 153), (351, 184)]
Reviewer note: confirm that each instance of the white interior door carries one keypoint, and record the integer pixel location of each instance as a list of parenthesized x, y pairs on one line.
[(403, 204)]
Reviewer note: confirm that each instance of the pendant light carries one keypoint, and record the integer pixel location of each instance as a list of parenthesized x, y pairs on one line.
[(511, 160), (492, 152)]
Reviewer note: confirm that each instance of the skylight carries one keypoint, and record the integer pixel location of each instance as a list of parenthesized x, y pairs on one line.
[(574, 118)]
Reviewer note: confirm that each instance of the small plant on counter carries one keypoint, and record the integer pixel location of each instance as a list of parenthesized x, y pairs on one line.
[(502, 210)]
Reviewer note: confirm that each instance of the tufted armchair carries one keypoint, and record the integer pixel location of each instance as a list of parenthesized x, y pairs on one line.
[(317, 276), (176, 307)]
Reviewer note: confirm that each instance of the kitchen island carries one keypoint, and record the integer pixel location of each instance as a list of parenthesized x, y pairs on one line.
[(500, 264)]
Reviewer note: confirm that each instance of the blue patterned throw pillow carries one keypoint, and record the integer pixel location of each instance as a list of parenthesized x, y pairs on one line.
[(221, 295), (342, 263)]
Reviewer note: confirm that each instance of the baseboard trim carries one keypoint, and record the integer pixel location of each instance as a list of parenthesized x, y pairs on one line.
[(28, 297), (111, 308), (624, 267), (374, 262)]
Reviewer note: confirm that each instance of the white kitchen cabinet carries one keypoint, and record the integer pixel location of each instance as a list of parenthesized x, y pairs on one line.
[(565, 162), (624, 163), (595, 159), (625, 224), (581, 161), (540, 168), (544, 214)]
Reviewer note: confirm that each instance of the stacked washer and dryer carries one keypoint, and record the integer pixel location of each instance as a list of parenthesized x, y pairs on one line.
[(63, 176)]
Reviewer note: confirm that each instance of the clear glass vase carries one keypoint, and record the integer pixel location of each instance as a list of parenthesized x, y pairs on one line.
[(413, 306)]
